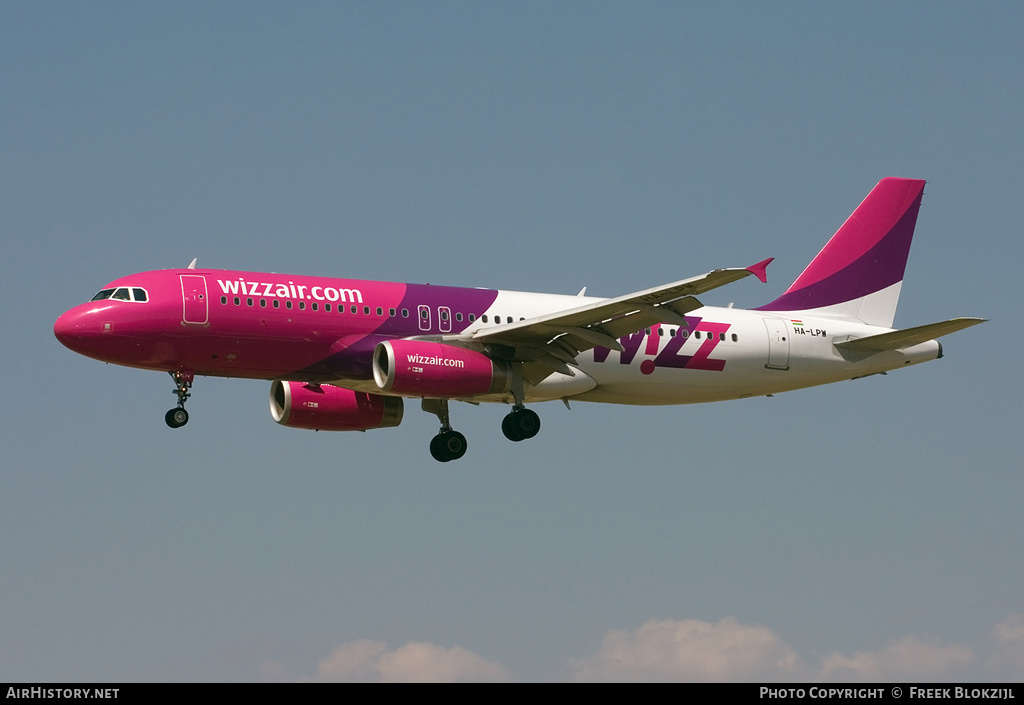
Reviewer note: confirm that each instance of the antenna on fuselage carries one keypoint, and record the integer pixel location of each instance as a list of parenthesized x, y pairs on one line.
[(193, 264)]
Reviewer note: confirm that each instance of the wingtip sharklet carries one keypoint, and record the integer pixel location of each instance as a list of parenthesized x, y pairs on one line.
[(760, 270)]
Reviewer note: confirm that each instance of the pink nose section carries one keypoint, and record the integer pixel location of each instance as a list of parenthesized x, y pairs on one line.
[(75, 329), (65, 327)]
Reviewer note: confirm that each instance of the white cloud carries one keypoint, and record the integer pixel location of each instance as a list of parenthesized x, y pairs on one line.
[(1006, 661), (909, 658), (415, 662), (421, 662), (354, 661), (694, 650), (691, 650)]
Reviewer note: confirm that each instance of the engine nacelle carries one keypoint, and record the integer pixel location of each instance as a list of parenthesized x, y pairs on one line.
[(325, 407), (422, 368)]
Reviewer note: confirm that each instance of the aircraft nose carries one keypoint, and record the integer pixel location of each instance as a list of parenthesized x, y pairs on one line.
[(74, 328), (100, 331), (64, 328)]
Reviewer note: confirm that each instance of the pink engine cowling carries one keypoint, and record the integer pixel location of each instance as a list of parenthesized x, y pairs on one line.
[(423, 368), (325, 407)]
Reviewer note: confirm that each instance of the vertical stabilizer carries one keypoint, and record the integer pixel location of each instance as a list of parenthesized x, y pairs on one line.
[(858, 274)]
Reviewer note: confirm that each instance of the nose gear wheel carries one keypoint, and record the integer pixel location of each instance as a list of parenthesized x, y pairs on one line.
[(178, 417)]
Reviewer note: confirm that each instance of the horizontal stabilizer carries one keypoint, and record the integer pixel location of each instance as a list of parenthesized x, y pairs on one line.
[(908, 337)]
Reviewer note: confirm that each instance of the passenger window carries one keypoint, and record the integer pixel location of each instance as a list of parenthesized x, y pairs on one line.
[(734, 338), (472, 317), (238, 301), (721, 337), (458, 317), (302, 305), (405, 313), (263, 303), (380, 311), (288, 305), (248, 302), (327, 307), (277, 304), (484, 318), (355, 309), (366, 310), (223, 299), (314, 305), (391, 312)]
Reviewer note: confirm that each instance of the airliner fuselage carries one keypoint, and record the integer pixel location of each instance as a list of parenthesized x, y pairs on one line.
[(342, 353)]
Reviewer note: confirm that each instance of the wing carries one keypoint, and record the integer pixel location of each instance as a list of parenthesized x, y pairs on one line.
[(552, 341)]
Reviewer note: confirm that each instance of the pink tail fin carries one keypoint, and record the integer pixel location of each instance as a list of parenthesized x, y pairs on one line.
[(857, 275)]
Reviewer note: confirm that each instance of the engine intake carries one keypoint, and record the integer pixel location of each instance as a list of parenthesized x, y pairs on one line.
[(422, 368), (325, 407)]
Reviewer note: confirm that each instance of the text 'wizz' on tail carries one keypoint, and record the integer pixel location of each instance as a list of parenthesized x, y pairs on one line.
[(859, 272)]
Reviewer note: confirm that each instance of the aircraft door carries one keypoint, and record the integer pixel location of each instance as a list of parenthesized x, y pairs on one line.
[(424, 315), (444, 319), (195, 302), (778, 344)]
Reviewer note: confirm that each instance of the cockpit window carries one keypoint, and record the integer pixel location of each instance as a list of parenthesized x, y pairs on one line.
[(123, 293)]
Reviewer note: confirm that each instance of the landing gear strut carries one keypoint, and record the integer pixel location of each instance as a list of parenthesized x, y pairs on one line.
[(178, 417), (520, 423), (448, 444)]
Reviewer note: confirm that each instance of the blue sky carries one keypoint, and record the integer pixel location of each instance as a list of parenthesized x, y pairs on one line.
[(866, 530)]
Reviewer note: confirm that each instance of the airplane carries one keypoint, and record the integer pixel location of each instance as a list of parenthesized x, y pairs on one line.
[(342, 354)]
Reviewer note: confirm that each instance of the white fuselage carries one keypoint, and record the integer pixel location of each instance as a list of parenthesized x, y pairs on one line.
[(727, 353)]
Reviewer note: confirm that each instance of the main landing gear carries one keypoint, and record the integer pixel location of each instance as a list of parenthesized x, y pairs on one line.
[(518, 425), (178, 417), (448, 444)]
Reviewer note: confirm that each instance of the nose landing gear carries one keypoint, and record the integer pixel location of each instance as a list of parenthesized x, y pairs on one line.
[(178, 417)]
